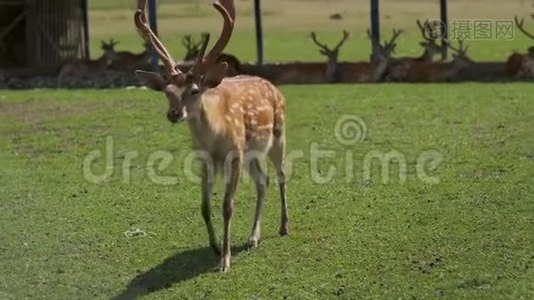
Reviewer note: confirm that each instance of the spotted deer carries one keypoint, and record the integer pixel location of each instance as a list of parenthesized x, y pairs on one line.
[(398, 66), (436, 72), (234, 123), (88, 67), (331, 55), (127, 61), (521, 65), (372, 71)]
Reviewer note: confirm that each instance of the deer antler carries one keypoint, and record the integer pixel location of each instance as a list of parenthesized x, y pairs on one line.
[(149, 36), (108, 46), (343, 40), (423, 28), (461, 51), (225, 7), (324, 47), (188, 42), (388, 47), (113, 43), (374, 41), (391, 43), (521, 27), (227, 10)]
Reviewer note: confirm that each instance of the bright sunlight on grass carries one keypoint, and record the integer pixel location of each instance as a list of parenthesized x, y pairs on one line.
[(468, 236)]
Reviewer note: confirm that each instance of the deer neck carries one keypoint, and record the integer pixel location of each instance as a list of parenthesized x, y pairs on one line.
[(378, 68), (426, 56), (331, 68), (208, 121), (461, 63), (102, 61)]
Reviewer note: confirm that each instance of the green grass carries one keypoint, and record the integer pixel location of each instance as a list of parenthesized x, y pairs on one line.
[(63, 237), (467, 237)]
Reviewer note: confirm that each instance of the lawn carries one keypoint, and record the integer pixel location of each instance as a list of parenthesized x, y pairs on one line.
[(467, 235), (452, 218)]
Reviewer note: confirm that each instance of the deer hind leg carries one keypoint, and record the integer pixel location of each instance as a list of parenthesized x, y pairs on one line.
[(261, 182), (276, 154), (208, 179), (232, 172)]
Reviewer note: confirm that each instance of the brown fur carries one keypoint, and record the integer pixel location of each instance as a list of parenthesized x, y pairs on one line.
[(129, 62), (436, 72), (520, 65), (88, 67), (398, 66)]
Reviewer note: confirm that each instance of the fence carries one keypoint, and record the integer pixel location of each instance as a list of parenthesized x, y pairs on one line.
[(42, 33)]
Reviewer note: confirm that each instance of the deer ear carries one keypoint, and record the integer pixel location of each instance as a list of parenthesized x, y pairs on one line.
[(151, 80), (215, 75)]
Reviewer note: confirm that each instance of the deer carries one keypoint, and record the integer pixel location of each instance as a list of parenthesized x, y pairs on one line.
[(234, 122), (331, 55), (88, 67), (193, 48), (374, 70), (289, 73), (521, 65), (306, 73), (399, 66), (436, 72), (127, 61)]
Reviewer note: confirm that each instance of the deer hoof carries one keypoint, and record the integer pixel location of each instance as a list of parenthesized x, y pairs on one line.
[(253, 243), (225, 265), (284, 230)]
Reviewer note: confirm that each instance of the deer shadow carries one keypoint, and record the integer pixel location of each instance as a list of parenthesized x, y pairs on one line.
[(175, 269)]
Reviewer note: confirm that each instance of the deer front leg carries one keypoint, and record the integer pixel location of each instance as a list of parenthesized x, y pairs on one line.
[(208, 179), (232, 172), (260, 181)]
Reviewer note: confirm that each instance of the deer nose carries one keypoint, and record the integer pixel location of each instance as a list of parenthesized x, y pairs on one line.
[(174, 115)]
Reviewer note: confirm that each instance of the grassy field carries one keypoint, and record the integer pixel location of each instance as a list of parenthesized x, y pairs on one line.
[(287, 24), (467, 237)]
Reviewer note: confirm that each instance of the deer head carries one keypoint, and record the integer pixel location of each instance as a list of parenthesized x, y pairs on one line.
[(388, 48), (460, 56), (332, 54), (429, 43), (110, 45), (192, 47), (183, 90), (109, 51), (390, 45)]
